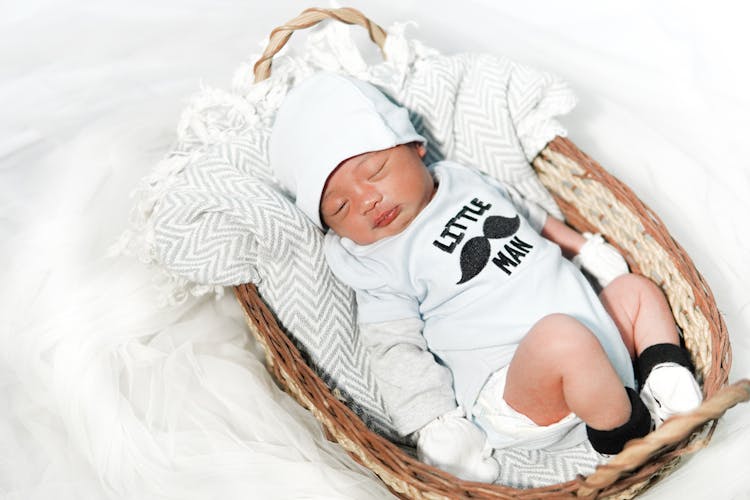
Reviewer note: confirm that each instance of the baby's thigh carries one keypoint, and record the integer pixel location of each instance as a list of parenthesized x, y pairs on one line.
[(553, 342), (623, 300), (552, 350)]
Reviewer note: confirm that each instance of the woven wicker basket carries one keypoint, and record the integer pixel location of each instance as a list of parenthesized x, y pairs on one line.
[(592, 200)]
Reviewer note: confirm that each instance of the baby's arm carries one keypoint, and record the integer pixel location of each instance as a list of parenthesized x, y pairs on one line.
[(570, 240), (415, 388), (418, 393), (588, 251)]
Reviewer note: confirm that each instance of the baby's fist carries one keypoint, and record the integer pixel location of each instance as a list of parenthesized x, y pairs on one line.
[(600, 259), (455, 445)]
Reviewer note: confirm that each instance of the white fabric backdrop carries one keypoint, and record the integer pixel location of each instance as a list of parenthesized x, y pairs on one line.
[(105, 395)]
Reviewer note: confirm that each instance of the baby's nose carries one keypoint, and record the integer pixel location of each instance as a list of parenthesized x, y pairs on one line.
[(368, 201)]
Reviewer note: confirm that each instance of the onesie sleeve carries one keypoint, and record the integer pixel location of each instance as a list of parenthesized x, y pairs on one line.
[(377, 299), (385, 304), (529, 210), (532, 212), (415, 388)]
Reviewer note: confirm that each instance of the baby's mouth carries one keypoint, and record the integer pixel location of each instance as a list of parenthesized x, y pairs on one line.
[(386, 217)]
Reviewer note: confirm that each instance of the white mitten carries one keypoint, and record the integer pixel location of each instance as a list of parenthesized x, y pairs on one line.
[(670, 389), (455, 445), (601, 259)]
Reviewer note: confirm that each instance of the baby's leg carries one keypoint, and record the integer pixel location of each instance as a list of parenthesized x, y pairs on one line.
[(663, 368), (560, 367), (641, 313)]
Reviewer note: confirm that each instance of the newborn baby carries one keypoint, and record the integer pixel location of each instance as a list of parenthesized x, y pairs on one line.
[(482, 334)]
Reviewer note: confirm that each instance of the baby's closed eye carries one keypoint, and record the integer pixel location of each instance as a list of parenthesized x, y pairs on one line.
[(340, 206), (333, 207), (377, 172)]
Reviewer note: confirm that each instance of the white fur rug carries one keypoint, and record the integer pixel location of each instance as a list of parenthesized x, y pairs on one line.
[(105, 394)]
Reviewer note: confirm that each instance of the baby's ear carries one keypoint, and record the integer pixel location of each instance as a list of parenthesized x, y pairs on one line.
[(421, 149)]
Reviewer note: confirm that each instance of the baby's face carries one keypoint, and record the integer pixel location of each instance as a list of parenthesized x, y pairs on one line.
[(375, 195)]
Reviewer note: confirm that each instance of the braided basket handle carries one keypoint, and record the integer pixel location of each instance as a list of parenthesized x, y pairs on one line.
[(672, 432), (310, 17)]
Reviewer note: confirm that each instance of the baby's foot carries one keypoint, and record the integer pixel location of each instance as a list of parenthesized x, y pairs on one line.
[(670, 389)]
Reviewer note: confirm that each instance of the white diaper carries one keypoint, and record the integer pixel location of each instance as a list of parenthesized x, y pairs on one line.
[(505, 427)]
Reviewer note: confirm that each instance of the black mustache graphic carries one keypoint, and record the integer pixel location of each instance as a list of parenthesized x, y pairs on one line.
[(496, 226), (476, 252)]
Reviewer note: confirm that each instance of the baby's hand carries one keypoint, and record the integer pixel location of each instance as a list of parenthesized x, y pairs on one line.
[(455, 445), (600, 259)]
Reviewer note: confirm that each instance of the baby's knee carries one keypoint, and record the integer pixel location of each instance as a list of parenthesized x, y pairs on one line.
[(635, 284), (556, 322), (562, 335)]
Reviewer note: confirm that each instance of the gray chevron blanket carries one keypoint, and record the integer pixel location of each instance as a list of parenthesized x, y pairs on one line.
[(211, 214)]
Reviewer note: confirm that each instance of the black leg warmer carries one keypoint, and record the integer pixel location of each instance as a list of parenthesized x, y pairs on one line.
[(661, 353), (612, 441)]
